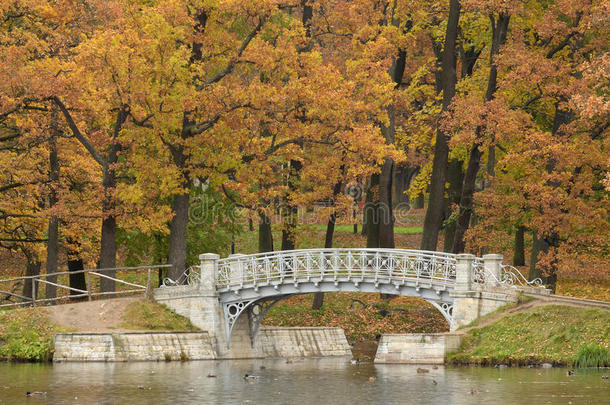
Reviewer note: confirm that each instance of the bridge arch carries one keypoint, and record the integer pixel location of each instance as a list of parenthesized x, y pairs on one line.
[(462, 287), (252, 284)]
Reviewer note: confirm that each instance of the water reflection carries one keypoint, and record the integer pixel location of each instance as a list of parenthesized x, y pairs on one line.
[(311, 381)]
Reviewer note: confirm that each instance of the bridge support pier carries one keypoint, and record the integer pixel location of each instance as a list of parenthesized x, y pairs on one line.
[(473, 300), (200, 303)]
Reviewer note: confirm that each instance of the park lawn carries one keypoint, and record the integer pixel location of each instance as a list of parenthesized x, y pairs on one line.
[(399, 315), (590, 288), (312, 236), (398, 230), (26, 334), (554, 334)]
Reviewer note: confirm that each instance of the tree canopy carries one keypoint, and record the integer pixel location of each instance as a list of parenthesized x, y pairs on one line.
[(115, 113)]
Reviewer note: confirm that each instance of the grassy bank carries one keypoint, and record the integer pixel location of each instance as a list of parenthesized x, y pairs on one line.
[(149, 316), (561, 335), (26, 335), (362, 316)]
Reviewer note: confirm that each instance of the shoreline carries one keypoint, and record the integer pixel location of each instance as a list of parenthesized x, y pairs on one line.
[(527, 337)]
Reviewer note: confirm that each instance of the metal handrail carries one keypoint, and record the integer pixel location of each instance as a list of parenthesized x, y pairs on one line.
[(389, 250), (190, 276), (38, 279), (391, 265), (512, 276)]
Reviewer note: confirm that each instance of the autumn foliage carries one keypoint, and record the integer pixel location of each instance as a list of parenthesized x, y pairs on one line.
[(114, 113)]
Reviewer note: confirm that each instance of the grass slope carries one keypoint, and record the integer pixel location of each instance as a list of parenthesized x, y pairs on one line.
[(145, 315), (549, 333), (26, 335)]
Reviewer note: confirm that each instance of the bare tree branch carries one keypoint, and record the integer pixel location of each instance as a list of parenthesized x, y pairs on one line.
[(229, 68), (10, 186), (82, 139)]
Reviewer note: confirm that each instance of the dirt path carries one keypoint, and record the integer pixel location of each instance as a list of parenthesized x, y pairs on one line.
[(93, 316)]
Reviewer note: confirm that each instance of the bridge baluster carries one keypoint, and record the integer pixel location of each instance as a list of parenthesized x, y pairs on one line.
[(463, 272), (209, 269), (350, 263), (493, 266)]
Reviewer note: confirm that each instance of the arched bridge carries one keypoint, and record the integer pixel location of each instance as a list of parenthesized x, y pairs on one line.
[(254, 283)]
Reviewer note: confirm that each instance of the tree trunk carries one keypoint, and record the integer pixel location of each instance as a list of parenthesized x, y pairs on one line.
[(180, 207), (466, 200), (180, 204), (108, 248), (77, 280), (109, 227), (536, 248), (289, 227), (290, 215), (318, 298), (75, 263), (550, 239), (399, 184), (108, 253), (499, 32), (491, 161), (386, 213), (32, 269), (434, 213), (419, 202), (53, 228), (290, 212), (368, 200), (177, 236), (455, 177), (52, 256), (265, 236), (455, 167), (371, 211), (519, 253)]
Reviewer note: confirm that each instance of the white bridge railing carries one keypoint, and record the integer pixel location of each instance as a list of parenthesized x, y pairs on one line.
[(317, 265), (390, 265)]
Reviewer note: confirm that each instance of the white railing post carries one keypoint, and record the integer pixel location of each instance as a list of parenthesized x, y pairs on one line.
[(237, 269), (89, 289), (493, 265), (209, 268), (148, 286), (33, 291), (463, 272)]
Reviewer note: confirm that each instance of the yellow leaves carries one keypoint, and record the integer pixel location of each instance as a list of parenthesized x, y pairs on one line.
[(420, 182)]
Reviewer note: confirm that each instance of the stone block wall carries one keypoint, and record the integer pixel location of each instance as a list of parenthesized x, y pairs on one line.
[(302, 342), (470, 305), (416, 348), (161, 346), (189, 301), (181, 346)]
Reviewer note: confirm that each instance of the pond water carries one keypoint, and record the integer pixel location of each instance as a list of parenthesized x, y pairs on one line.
[(309, 381)]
